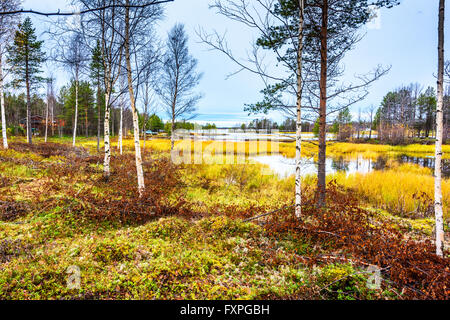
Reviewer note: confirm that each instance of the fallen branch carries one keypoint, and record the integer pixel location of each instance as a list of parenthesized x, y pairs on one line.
[(267, 213)]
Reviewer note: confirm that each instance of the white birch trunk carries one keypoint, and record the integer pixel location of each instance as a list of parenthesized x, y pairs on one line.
[(121, 129), (52, 117), (46, 120), (137, 146), (172, 135), (107, 160), (76, 112), (439, 127), (144, 130), (298, 177), (2, 98)]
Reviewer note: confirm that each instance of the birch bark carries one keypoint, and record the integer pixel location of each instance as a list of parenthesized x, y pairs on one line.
[(2, 98), (75, 122), (137, 146), (439, 126), (298, 178)]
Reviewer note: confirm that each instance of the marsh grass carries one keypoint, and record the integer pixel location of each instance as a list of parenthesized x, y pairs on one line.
[(406, 190), (212, 256)]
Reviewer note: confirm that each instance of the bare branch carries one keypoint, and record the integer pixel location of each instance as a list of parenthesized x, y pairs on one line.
[(59, 13)]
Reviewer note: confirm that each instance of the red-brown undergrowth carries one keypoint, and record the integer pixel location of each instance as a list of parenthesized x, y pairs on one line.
[(343, 227), (408, 264)]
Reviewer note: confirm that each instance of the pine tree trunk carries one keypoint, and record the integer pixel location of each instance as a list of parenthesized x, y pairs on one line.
[(137, 146), (76, 112), (86, 122), (321, 174), (29, 129), (2, 98), (439, 127), (298, 153)]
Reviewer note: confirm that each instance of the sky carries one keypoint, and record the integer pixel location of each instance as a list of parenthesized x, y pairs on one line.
[(404, 37)]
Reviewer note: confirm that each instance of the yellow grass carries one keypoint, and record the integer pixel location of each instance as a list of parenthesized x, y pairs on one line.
[(395, 189)]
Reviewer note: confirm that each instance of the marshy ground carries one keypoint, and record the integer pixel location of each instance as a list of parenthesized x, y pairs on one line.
[(186, 238)]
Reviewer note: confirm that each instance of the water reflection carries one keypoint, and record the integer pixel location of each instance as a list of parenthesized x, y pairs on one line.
[(236, 135), (340, 164), (285, 167)]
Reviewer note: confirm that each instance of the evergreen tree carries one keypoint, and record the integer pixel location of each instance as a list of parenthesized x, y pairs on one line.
[(26, 57), (330, 30), (85, 101), (154, 123), (427, 108), (97, 75)]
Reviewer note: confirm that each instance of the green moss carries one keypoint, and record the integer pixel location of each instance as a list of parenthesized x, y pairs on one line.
[(109, 251), (344, 282), (223, 227), (165, 228)]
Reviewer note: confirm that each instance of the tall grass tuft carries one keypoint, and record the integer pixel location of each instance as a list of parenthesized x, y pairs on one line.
[(405, 190)]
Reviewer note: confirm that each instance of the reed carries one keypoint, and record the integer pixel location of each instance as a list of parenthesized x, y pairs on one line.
[(405, 190)]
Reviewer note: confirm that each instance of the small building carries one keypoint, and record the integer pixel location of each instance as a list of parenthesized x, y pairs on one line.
[(38, 124)]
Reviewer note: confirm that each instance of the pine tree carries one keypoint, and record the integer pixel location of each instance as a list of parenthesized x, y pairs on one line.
[(329, 31), (26, 57), (97, 75)]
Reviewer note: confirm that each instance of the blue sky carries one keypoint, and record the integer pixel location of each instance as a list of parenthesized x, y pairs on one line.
[(406, 39)]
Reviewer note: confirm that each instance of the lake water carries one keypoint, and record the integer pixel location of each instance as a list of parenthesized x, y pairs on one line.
[(285, 167), (236, 135)]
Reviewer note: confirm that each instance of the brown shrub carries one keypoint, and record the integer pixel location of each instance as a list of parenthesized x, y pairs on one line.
[(410, 265)]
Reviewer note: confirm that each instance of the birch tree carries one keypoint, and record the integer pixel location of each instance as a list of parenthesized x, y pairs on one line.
[(138, 25), (76, 59), (152, 56), (49, 84), (72, 53), (370, 111), (105, 26), (438, 211), (121, 106), (330, 31), (178, 79), (261, 16), (7, 28), (298, 135)]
